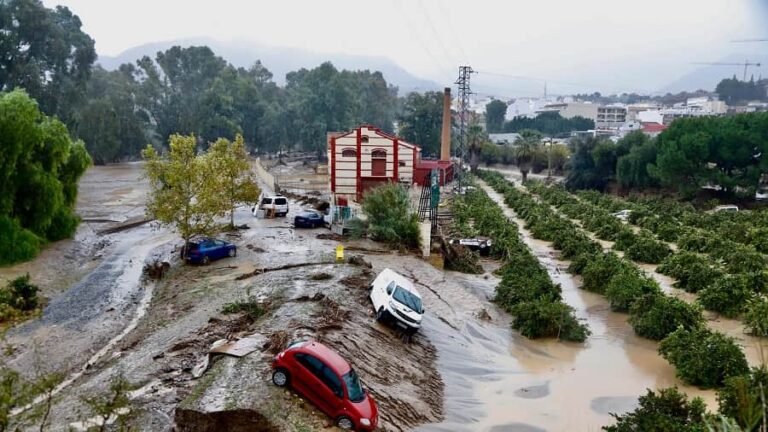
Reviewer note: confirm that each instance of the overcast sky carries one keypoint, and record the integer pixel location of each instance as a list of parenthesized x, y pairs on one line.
[(610, 45)]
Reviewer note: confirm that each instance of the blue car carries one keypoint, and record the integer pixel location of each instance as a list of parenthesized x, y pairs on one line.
[(308, 219), (205, 250)]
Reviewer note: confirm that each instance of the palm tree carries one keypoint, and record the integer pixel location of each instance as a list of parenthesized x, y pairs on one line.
[(526, 147), (475, 138)]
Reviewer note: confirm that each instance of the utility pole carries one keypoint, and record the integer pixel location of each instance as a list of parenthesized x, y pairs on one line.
[(464, 92), (549, 161)]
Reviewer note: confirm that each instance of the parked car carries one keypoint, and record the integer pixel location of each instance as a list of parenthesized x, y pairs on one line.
[(726, 208), (477, 244), (622, 215), (328, 381), (396, 300), (309, 219), (205, 250), (277, 204)]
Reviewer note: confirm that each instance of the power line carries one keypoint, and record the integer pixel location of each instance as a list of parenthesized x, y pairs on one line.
[(443, 70), (547, 80), (435, 32), (446, 18)]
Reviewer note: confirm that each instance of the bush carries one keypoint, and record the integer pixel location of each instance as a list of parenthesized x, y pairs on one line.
[(728, 295), (669, 411), (655, 316), (543, 318), (702, 357), (390, 218), (16, 298), (756, 316), (599, 271), (626, 287), (740, 398), (648, 250), (693, 271), (251, 307), (16, 243)]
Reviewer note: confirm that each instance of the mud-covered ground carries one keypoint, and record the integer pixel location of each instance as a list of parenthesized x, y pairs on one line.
[(466, 370)]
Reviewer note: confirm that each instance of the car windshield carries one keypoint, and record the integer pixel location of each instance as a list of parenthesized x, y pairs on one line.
[(354, 389), (407, 298)]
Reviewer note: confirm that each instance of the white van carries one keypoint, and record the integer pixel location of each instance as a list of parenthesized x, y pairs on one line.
[(395, 299), (277, 204)]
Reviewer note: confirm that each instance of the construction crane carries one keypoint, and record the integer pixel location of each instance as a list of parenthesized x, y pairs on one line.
[(746, 65)]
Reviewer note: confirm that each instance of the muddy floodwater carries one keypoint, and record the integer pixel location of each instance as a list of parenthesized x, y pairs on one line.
[(102, 318)]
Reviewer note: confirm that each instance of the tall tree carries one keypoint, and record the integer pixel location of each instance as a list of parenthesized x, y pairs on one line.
[(495, 111), (421, 121), (39, 170), (184, 189), (45, 52), (237, 183), (549, 123), (476, 138), (526, 147), (728, 152), (582, 172)]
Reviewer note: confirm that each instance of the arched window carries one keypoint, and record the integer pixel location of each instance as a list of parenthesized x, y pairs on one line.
[(348, 152), (364, 139), (379, 154)]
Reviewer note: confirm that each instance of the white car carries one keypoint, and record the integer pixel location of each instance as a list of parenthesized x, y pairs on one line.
[(395, 299), (276, 204), (622, 215), (726, 208)]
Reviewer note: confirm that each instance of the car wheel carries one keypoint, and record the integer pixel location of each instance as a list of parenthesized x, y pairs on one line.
[(206, 260), (345, 423), (232, 253), (381, 314), (280, 377)]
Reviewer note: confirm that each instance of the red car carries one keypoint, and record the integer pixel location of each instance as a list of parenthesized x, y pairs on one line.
[(328, 381)]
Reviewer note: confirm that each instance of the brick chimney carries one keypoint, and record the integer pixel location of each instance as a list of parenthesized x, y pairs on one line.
[(445, 142)]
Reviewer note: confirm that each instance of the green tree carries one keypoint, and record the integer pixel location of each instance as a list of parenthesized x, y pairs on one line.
[(40, 167), (583, 173), (732, 91), (632, 168), (46, 53), (230, 162), (421, 121), (525, 148), (476, 137), (667, 411), (728, 152), (495, 111), (549, 123), (390, 216), (184, 189)]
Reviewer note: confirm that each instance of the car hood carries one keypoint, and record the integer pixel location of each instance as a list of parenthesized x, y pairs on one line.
[(367, 408)]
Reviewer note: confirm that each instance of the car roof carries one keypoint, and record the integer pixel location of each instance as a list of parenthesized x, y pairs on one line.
[(328, 356), (400, 280)]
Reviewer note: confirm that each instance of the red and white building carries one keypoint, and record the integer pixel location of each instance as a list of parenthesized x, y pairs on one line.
[(366, 157)]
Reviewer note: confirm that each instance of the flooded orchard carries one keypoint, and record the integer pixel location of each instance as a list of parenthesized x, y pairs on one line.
[(466, 370)]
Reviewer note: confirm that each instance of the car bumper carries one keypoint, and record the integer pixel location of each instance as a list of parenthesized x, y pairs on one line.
[(402, 321)]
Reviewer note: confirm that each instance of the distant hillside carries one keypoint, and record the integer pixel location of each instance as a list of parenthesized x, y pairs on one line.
[(280, 61), (707, 77)]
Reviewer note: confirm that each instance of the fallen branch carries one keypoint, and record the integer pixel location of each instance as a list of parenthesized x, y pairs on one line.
[(283, 267), (124, 226)]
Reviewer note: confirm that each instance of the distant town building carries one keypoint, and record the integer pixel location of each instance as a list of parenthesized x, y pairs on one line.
[(524, 107), (504, 138), (605, 117), (610, 117)]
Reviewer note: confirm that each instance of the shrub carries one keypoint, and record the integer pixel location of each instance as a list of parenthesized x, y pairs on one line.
[(391, 220), (692, 271), (740, 398), (624, 239), (655, 316), (16, 243), (728, 295), (646, 249), (17, 297), (601, 269), (626, 287), (756, 316), (702, 357), (667, 411), (543, 318), (251, 307)]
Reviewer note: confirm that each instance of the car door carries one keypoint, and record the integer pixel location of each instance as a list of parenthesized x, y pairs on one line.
[(314, 383), (221, 249)]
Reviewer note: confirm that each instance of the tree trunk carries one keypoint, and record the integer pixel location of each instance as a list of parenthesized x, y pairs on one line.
[(524, 172), (474, 160)]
